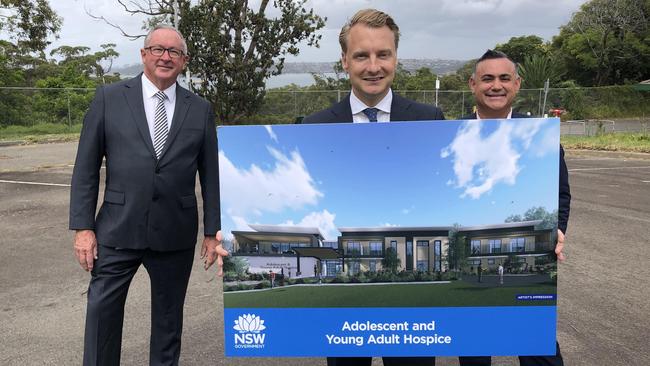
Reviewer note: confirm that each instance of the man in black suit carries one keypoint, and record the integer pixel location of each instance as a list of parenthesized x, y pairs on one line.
[(369, 56), (495, 83), (154, 136)]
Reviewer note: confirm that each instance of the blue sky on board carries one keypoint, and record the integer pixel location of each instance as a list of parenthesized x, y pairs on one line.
[(386, 174)]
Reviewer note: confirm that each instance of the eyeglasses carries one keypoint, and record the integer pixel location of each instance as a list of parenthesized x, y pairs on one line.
[(159, 51)]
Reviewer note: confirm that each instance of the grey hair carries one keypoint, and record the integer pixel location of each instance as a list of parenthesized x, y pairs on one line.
[(147, 39)]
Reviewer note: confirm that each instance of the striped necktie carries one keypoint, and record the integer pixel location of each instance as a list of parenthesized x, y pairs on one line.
[(371, 113), (160, 124)]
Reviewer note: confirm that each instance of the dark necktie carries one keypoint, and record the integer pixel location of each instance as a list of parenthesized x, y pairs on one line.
[(371, 113), (160, 124)]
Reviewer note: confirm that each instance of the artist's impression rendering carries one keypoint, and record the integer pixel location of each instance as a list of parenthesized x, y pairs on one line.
[(302, 251)]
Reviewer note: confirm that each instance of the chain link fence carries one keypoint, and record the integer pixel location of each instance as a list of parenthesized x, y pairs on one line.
[(587, 111)]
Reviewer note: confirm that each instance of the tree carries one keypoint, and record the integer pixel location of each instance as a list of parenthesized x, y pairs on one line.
[(235, 264), (518, 48), (234, 49), (549, 219), (606, 42), (391, 261), (458, 250), (30, 22), (536, 69)]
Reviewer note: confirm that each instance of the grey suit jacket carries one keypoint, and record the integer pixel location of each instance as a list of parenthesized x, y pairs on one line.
[(148, 203), (401, 109)]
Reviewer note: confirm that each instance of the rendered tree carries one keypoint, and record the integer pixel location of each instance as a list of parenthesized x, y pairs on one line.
[(457, 251), (390, 261)]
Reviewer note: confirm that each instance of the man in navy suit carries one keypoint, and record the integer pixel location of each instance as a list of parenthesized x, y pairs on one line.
[(369, 56), (154, 136), (495, 84)]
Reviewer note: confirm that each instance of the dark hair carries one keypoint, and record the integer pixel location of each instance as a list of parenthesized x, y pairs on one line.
[(491, 55)]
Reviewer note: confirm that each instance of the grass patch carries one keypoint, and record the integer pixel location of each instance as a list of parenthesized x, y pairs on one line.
[(632, 142), (456, 293), (42, 132)]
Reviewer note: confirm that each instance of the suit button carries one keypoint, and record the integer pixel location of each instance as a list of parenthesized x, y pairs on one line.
[(155, 198), (157, 170)]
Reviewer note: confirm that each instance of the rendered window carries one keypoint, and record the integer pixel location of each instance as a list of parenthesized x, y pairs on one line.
[(476, 247), (495, 245), (518, 245)]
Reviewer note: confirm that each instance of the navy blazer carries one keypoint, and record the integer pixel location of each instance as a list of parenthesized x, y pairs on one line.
[(564, 204), (401, 109), (148, 202)]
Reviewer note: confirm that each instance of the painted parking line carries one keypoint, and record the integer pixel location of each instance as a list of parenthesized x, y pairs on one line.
[(611, 168), (34, 183)]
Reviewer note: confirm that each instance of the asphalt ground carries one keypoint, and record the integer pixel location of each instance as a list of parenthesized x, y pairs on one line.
[(604, 297)]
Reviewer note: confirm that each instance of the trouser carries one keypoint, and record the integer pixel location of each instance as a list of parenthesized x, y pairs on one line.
[(431, 361), (404, 361), (169, 274), (523, 360)]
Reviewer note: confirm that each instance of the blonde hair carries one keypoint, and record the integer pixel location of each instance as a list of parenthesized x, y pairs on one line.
[(372, 18)]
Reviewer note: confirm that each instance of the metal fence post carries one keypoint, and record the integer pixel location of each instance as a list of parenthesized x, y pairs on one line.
[(69, 111)]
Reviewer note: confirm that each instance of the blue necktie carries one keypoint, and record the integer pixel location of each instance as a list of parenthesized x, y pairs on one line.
[(371, 113)]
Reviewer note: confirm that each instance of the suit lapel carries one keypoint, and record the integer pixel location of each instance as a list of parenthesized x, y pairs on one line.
[(180, 112), (133, 95), (342, 111), (399, 109)]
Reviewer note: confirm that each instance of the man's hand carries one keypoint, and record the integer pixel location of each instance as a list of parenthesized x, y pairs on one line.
[(85, 248), (559, 246), (212, 250)]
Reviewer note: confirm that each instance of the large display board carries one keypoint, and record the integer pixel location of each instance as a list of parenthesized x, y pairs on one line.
[(390, 239)]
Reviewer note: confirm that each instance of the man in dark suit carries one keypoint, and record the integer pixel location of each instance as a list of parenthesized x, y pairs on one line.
[(369, 56), (155, 136), (495, 83)]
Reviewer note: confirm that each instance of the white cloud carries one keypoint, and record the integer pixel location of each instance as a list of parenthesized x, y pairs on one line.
[(323, 220), (240, 223), (272, 134), (406, 211), (388, 224), (480, 163), (254, 190)]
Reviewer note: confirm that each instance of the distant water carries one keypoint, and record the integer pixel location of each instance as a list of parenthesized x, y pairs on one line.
[(303, 79)]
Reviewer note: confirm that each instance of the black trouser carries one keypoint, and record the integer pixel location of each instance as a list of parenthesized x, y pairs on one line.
[(431, 361), (169, 273), (404, 361)]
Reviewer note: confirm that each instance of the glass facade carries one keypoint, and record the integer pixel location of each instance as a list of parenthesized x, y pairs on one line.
[(495, 245), (437, 259), (353, 248), (409, 255), (476, 247), (375, 248), (517, 245)]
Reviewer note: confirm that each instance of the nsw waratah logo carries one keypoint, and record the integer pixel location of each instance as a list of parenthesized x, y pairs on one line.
[(249, 327)]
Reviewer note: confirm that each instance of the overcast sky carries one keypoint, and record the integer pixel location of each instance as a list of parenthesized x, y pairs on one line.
[(446, 29)]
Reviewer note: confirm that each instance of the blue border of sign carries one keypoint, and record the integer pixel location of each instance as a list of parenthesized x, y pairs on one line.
[(436, 331)]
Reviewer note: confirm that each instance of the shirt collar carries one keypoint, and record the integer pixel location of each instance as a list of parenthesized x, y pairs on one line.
[(357, 106), (150, 89), (508, 117)]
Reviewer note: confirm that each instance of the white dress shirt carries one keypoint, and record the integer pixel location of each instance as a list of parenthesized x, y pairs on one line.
[(149, 91), (508, 117), (357, 107)]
